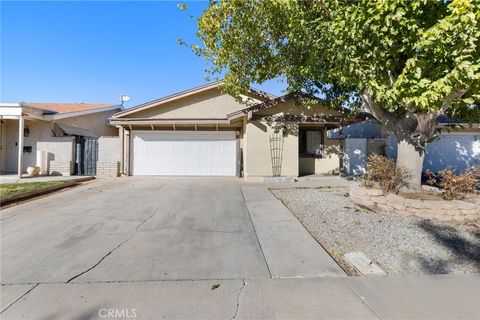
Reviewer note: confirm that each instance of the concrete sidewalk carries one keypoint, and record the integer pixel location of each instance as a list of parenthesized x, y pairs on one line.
[(289, 250), (419, 297)]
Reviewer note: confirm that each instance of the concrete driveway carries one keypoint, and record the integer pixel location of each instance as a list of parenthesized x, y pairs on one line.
[(138, 229), (152, 248), (132, 229)]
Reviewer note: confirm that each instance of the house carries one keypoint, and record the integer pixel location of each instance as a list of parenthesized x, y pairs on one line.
[(457, 147), (53, 136), (206, 132)]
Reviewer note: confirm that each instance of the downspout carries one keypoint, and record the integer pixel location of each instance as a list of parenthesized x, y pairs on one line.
[(127, 152), (122, 150)]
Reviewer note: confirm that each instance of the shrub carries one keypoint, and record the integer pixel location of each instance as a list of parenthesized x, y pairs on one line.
[(455, 186), (384, 171)]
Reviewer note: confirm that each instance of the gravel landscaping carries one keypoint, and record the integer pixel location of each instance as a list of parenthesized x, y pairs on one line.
[(400, 244)]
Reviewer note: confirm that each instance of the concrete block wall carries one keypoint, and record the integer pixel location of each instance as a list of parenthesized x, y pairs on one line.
[(108, 169), (60, 168), (108, 164)]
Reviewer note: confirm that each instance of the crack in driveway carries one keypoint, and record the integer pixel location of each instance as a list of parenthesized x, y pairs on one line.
[(115, 248), (238, 299), (23, 295)]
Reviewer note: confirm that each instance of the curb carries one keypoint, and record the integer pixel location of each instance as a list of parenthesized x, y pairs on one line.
[(8, 200)]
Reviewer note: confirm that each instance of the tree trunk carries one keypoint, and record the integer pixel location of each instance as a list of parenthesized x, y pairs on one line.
[(411, 159), (413, 131)]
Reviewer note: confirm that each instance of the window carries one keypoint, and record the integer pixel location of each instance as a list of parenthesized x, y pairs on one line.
[(310, 142)]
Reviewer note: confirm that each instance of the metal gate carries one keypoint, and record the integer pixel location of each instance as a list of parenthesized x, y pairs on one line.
[(86, 156)]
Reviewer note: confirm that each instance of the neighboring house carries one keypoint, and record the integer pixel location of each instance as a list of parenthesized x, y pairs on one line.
[(51, 135), (205, 132), (458, 148)]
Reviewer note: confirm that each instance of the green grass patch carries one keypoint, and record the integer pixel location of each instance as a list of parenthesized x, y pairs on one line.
[(8, 189)]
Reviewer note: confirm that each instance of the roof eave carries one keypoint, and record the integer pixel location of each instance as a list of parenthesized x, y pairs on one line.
[(148, 121), (168, 98), (184, 94), (58, 116), (289, 96)]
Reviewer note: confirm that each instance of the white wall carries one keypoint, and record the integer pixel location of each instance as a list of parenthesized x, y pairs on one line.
[(41, 138), (357, 151), (458, 150), (369, 129), (355, 156)]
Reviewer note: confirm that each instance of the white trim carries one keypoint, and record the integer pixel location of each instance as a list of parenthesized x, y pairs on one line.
[(460, 133), (148, 122), (9, 104), (21, 126), (9, 117), (10, 110)]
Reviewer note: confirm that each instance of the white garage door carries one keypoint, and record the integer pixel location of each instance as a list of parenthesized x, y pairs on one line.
[(184, 153)]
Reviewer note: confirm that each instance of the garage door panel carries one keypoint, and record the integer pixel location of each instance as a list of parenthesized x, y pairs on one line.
[(216, 148), (184, 153), (228, 148)]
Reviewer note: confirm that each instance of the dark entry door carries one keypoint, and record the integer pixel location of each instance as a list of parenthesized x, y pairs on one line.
[(86, 156)]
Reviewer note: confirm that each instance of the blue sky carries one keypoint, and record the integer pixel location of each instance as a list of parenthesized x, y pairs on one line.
[(94, 51)]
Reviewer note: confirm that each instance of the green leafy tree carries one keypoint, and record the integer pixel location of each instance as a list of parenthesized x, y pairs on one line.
[(405, 62)]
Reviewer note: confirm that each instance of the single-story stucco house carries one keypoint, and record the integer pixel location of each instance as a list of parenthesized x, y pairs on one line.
[(54, 136), (206, 132)]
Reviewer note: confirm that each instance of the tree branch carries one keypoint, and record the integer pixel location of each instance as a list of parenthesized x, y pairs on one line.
[(386, 117), (447, 101)]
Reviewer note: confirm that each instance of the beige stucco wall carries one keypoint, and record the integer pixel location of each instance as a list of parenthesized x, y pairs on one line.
[(41, 138), (97, 122), (291, 108), (257, 157), (209, 104), (329, 164)]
